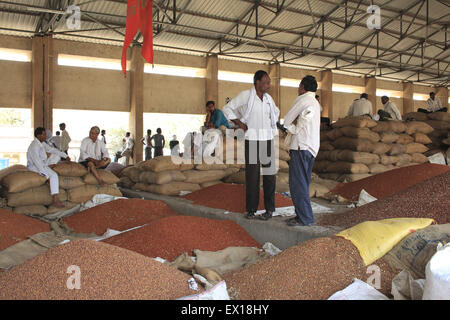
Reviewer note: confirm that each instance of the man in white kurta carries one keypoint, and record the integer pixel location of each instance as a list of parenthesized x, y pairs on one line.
[(390, 110), (360, 107), (255, 112), (93, 154), (65, 138), (40, 163)]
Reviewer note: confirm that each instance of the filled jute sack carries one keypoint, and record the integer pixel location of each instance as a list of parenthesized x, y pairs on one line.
[(87, 192), (12, 169), (350, 156), (35, 196), (360, 133), (379, 168), (281, 187), (416, 148), (231, 170), (22, 180), (159, 164), (389, 137), (439, 116), (387, 160), (439, 134), (405, 139), (67, 205), (438, 125), (133, 173), (70, 182), (347, 177), (333, 134), (125, 182), (326, 146), (381, 148), (197, 176), (347, 167), (397, 149), (346, 143), (107, 176), (357, 122), (38, 210), (70, 169), (317, 190), (170, 189), (284, 155), (208, 167), (237, 178), (419, 158), (418, 126), (421, 138), (403, 159), (321, 166), (283, 177), (283, 166), (418, 116), (210, 184), (164, 177), (390, 126)]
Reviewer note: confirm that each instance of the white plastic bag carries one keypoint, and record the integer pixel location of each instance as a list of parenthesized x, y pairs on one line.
[(365, 198), (218, 292), (437, 285), (358, 290), (437, 158)]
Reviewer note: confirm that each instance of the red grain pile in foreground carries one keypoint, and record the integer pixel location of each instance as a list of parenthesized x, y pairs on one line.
[(119, 215), (313, 270), (386, 184), (15, 228), (107, 273), (429, 199), (231, 197), (170, 237)]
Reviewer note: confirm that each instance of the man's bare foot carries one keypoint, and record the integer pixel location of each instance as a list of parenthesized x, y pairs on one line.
[(58, 204), (101, 182)]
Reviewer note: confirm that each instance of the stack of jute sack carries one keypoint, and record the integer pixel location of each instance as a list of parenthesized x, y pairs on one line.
[(358, 147), (440, 137), (27, 192)]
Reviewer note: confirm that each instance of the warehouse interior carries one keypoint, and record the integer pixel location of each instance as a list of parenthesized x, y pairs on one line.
[(61, 62)]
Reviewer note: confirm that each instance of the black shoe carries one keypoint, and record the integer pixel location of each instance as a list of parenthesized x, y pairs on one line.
[(266, 216), (296, 222), (251, 216)]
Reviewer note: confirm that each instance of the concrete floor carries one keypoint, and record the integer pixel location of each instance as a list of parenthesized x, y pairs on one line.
[(275, 230)]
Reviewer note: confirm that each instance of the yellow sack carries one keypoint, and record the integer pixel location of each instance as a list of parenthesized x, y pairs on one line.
[(376, 238)]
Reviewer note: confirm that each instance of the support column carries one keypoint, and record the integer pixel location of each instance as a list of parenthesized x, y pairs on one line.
[(371, 90), (212, 79), (326, 91), (442, 94), (275, 77), (408, 97), (137, 101), (42, 65)]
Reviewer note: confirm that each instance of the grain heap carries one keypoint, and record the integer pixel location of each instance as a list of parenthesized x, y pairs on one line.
[(29, 193), (359, 147), (121, 215), (107, 273), (313, 270), (172, 236), (15, 228), (440, 137)]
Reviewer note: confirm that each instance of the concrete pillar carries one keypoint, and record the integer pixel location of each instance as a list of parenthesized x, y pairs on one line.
[(275, 77), (371, 90), (326, 91), (408, 97), (137, 101), (442, 94), (212, 79), (42, 66)]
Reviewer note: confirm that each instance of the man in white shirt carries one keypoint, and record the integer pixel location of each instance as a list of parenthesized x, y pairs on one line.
[(103, 136), (127, 151), (148, 145), (390, 110), (433, 105), (255, 112), (303, 125), (55, 141), (40, 163), (360, 107), (65, 138), (93, 154)]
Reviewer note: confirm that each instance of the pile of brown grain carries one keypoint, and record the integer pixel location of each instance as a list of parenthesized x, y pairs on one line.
[(107, 273)]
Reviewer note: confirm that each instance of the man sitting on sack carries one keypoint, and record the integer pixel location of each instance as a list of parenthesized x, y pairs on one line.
[(361, 107), (39, 162), (215, 119), (93, 154), (390, 110)]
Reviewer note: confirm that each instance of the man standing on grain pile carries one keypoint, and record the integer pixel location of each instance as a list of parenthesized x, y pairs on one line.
[(255, 112), (303, 124), (40, 163)]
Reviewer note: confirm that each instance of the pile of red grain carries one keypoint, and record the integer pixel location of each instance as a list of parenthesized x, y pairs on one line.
[(313, 270), (15, 228), (428, 199), (386, 184), (231, 197), (170, 237), (106, 273), (118, 215)]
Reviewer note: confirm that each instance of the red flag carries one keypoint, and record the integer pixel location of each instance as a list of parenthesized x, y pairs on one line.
[(139, 16)]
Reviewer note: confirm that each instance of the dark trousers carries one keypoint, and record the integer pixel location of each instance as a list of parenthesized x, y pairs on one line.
[(300, 169), (384, 116), (428, 112), (158, 151), (253, 162), (148, 153)]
